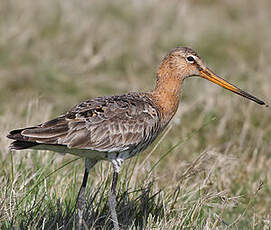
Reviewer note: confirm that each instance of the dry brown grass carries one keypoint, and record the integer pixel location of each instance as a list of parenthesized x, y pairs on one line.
[(54, 54)]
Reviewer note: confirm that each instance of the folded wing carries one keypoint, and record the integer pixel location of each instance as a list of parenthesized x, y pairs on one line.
[(106, 124)]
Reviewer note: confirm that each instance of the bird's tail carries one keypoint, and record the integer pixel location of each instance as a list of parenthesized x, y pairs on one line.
[(19, 145), (21, 141)]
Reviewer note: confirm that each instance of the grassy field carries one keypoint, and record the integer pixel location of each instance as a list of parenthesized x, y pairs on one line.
[(209, 170)]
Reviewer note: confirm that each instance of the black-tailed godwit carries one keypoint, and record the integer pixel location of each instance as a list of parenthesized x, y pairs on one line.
[(119, 127)]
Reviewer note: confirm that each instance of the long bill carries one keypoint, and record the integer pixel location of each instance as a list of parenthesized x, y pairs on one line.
[(209, 75)]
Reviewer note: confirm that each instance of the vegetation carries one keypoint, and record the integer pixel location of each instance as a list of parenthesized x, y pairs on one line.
[(209, 170)]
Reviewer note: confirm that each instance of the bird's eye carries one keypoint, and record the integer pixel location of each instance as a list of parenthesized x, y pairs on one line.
[(190, 59)]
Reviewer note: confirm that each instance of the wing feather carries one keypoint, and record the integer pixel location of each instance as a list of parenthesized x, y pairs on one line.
[(108, 124)]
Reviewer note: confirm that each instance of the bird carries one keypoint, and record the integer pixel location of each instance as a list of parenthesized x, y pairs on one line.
[(115, 128)]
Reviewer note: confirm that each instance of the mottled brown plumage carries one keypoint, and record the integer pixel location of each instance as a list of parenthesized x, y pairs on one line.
[(118, 127), (112, 125)]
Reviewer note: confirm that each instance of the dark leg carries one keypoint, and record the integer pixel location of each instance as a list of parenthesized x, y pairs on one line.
[(81, 195), (81, 198), (112, 198)]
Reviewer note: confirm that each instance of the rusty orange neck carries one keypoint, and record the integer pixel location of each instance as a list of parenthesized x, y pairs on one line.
[(167, 93)]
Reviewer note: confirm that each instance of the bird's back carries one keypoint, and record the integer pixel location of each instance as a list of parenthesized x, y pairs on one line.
[(114, 125)]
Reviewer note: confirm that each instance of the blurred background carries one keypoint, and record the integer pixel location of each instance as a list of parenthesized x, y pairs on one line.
[(55, 54)]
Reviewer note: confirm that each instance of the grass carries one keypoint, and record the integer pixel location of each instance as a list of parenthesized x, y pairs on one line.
[(209, 170)]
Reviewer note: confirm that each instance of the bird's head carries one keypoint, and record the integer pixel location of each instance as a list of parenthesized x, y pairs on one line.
[(183, 62)]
